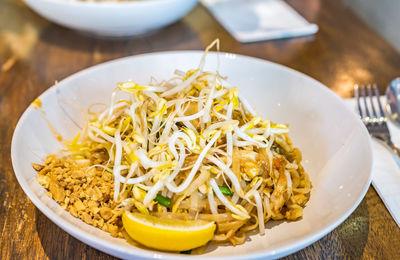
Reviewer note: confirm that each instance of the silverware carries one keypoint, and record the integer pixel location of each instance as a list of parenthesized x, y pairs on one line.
[(393, 101), (376, 122)]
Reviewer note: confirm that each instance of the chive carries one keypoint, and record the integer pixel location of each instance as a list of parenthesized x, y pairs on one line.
[(225, 190), (162, 200), (187, 252)]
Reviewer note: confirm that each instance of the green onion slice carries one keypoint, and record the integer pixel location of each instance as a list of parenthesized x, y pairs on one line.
[(162, 200), (225, 190)]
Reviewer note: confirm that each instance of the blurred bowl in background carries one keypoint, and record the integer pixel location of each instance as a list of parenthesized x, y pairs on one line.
[(115, 19)]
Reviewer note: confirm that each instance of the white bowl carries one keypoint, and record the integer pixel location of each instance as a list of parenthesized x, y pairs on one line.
[(335, 144), (113, 18)]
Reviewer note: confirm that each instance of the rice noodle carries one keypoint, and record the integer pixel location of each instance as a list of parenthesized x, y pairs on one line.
[(211, 202), (203, 177), (260, 211)]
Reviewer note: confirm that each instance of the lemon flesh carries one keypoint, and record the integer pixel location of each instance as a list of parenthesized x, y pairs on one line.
[(167, 234)]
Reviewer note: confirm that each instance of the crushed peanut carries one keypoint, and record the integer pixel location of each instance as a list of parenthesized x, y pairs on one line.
[(85, 194)]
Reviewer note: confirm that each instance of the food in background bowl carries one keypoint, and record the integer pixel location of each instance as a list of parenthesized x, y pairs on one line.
[(113, 18), (183, 160)]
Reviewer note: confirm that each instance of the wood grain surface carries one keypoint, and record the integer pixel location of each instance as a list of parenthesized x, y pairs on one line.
[(34, 53)]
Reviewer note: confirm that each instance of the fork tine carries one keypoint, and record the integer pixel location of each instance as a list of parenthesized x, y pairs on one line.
[(357, 94), (376, 126), (365, 102), (376, 90), (369, 90)]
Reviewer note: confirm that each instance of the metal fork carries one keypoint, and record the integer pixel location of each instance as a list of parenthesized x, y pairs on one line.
[(376, 122)]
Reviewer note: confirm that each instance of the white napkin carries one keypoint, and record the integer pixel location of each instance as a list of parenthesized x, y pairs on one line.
[(258, 20), (386, 170)]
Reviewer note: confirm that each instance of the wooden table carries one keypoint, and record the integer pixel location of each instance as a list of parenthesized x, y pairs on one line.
[(34, 53)]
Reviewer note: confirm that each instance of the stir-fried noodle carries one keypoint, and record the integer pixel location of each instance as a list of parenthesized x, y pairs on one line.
[(193, 148)]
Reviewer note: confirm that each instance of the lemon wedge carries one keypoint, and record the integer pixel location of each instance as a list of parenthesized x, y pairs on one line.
[(167, 234)]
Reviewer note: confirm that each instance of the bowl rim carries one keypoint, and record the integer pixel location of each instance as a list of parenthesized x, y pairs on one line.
[(110, 4), (99, 244)]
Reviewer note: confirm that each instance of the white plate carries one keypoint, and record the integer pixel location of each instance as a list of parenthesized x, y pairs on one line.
[(335, 144)]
